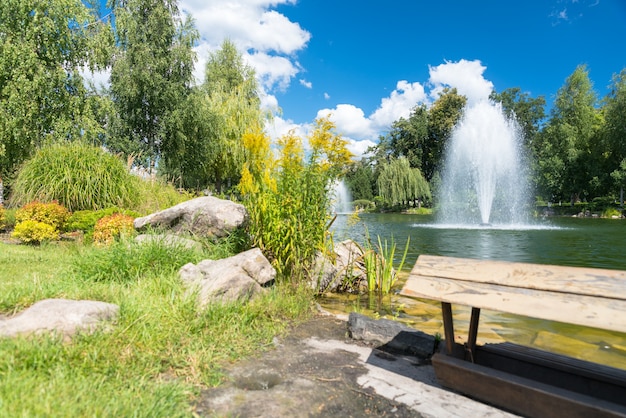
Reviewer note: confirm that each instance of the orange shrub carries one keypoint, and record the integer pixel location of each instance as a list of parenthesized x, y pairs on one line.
[(113, 227)]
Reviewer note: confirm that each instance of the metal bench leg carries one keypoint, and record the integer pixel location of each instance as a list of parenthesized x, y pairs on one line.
[(448, 326)]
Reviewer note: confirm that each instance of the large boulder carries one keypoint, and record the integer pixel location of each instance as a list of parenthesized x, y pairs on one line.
[(62, 316), (205, 216), (240, 277)]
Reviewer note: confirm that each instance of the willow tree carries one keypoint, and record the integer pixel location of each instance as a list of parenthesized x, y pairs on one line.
[(44, 45), (231, 94), (400, 184)]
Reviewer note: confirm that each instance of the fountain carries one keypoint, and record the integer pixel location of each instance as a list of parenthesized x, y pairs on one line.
[(342, 201), (484, 181)]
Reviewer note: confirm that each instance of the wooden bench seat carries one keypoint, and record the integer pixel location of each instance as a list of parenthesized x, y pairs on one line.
[(526, 381)]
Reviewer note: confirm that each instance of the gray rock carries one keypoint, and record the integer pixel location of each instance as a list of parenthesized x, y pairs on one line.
[(63, 316), (169, 240), (205, 216), (330, 273), (240, 277), (392, 334)]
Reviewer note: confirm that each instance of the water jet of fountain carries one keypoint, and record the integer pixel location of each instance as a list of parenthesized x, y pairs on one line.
[(342, 201), (484, 179)]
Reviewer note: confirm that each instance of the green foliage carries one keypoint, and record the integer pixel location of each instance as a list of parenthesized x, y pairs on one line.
[(78, 175), (2, 217), (563, 150), (111, 228), (155, 195), (35, 232), (151, 75), (398, 183), (363, 204), (85, 220), (210, 124), (379, 268), (288, 199), (45, 45)]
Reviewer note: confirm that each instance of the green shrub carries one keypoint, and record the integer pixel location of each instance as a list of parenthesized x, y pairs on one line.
[(78, 175), (2, 217), (612, 212), (113, 227), (85, 220), (35, 232), (51, 213)]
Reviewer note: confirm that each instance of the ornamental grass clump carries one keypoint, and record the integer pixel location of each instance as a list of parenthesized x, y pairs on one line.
[(77, 175)]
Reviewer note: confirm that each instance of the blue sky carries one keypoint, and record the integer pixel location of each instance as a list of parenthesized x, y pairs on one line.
[(367, 63)]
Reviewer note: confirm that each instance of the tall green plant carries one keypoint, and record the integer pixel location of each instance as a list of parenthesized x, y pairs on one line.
[(77, 175), (379, 264), (288, 198)]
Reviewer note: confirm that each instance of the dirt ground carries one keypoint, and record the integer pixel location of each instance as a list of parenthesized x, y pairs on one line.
[(296, 380)]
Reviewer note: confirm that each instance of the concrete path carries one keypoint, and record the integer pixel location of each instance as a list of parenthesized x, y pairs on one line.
[(398, 379)]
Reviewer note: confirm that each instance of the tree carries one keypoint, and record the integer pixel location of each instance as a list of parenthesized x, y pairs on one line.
[(527, 112), (614, 131), (151, 76), (231, 91), (209, 126), (442, 118), (564, 148), (407, 136), (398, 183), (43, 98), (360, 180)]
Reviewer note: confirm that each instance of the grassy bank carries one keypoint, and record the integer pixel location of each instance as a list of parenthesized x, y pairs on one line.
[(157, 356)]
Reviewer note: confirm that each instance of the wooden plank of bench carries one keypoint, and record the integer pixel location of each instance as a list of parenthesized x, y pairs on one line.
[(562, 279), (520, 395), (590, 311)]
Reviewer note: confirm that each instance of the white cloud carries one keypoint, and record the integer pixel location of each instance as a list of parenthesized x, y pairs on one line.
[(306, 84), (466, 76), (359, 148), (273, 72), (399, 104), (326, 96), (350, 120), (267, 38)]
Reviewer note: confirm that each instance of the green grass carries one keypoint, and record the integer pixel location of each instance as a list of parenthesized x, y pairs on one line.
[(157, 356)]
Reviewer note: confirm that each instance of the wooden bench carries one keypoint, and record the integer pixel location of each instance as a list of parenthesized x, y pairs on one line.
[(525, 380)]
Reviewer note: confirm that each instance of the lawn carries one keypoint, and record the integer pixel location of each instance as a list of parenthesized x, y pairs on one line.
[(158, 355)]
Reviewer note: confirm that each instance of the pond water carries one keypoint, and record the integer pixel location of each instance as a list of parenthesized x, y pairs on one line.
[(582, 242)]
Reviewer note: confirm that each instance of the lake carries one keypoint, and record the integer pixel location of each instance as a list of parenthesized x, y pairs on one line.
[(582, 242)]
